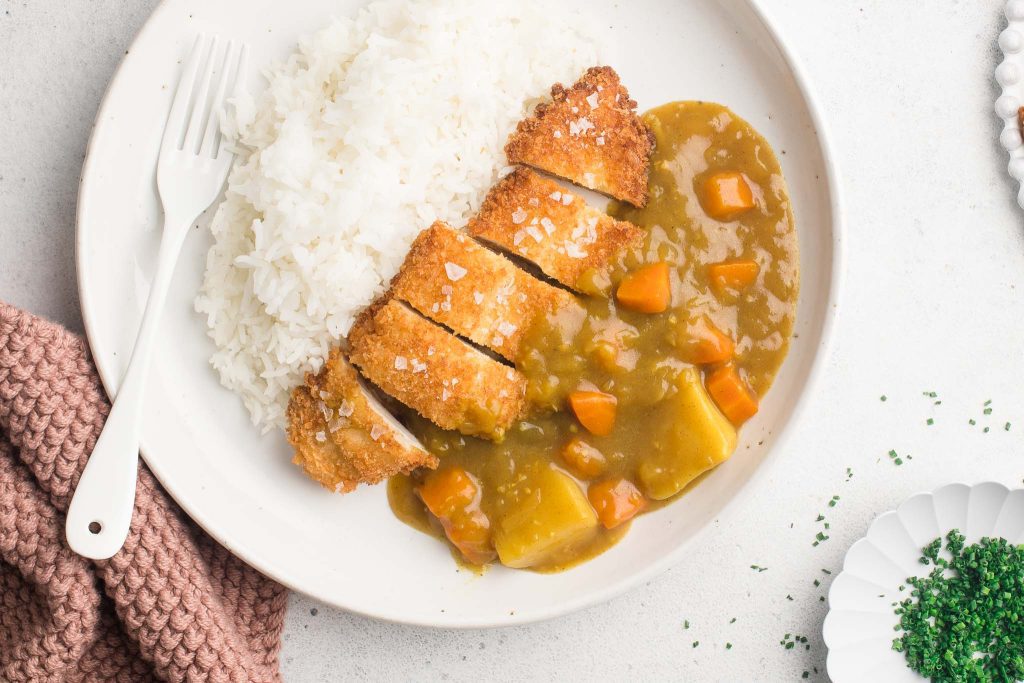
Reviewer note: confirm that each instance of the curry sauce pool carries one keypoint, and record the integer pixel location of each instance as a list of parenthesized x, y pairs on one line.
[(640, 386)]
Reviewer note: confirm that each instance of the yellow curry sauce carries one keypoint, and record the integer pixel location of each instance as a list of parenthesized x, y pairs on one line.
[(734, 275)]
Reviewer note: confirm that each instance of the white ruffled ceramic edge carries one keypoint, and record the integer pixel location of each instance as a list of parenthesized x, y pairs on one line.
[(858, 629), (1010, 76)]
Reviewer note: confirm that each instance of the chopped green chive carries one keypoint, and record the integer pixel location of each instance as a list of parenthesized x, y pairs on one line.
[(728, 646), (1006, 427), (696, 643), (930, 422), (789, 642), (884, 398), (686, 624), (758, 569), (963, 620)]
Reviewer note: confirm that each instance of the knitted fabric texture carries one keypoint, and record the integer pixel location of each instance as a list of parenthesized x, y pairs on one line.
[(172, 605)]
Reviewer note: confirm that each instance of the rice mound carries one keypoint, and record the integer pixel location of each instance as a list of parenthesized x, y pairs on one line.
[(373, 129)]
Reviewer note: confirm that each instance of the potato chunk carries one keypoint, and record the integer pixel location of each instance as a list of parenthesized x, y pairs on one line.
[(551, 515), (699, 438)]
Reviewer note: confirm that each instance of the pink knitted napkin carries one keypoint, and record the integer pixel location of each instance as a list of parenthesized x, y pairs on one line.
[(171, 605)]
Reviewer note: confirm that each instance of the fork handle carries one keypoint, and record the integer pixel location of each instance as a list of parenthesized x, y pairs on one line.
[(100, 513)]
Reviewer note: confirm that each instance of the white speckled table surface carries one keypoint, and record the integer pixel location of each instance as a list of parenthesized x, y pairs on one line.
[(935, 249)]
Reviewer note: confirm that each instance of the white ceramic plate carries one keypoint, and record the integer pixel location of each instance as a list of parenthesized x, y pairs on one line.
[(1010, 76), (350, 551), (859, 627)]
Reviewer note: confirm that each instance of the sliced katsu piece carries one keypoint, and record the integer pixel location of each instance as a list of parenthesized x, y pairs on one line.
[(480, 295), (441, 377), (343, 436), (589, 134), (536, 218)]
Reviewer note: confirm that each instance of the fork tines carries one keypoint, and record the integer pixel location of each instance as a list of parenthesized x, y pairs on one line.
[(211, 74)]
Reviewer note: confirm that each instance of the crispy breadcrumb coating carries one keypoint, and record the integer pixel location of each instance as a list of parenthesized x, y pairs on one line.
[(536, 218), (343, 436), (478, 294), (435, 373), (589, 134)]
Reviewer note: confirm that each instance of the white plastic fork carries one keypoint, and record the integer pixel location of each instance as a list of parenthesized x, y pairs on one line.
[(194, 162)]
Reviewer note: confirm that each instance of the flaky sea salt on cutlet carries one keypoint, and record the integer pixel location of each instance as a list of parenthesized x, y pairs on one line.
[(484, 291), (343, 436), (392, 327), (563, 237), (589, 134)]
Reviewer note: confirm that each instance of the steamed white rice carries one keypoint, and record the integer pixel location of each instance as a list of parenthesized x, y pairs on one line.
[(374, 128)]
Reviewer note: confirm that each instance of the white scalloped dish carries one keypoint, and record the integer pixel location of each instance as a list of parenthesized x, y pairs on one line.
[(1010, 76), (859, 627)]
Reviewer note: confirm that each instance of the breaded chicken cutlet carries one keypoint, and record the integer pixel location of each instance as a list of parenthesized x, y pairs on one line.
[(478, 294), (444, 379), (589, 134), (537, 219), (343, 436)]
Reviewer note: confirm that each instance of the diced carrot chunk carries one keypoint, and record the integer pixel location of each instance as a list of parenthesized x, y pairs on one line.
[(735, 275), (727, 195), (447, 490), (647, 290), (731, 394), (584, 461), (595, 410), (701, 342), (616, 501), (470, 533), (453, 496)]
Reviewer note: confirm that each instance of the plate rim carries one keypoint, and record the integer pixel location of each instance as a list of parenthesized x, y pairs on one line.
[(831, 176), (1008, 75)]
